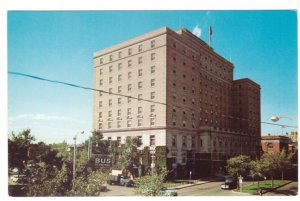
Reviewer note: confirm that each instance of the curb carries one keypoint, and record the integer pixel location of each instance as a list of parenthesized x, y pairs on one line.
[(189, 185), (277, 187)]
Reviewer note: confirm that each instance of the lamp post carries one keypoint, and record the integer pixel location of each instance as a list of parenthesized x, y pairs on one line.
[(152, 152), (74, 156), (277, 118)]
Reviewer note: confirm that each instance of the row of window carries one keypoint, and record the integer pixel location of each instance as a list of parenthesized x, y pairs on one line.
[(129, 123), (129, 111), (151, 139), (184, 141), (129, 52)]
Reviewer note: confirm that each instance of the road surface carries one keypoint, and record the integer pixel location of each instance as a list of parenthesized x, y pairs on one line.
[(289, 189)]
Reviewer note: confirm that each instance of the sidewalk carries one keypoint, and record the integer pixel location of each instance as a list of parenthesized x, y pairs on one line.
[(194, 183)]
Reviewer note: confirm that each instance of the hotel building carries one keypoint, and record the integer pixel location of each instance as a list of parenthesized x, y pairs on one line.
[(171, 89)]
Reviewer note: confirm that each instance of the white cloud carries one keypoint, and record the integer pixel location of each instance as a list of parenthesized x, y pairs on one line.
[(197, 31), (40, 117)]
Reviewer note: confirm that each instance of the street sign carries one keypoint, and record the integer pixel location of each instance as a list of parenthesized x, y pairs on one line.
[(102, 161)]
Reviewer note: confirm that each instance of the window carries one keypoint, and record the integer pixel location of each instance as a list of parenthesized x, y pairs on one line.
[(100, 114), (174, 140), (119, 89), (101, 60), (174, 45), (109, 113), (119, 141), (193, 90), (183, 157), (152, 82), (119, 112), (100, 125), (129, 87), (128, 123), (152, 140), (140, 47), (152, 69), (101, 71), (184, 88), (109, 124), (120, 55), (184, 99), (100, 103), (174, 96), (174, 84), (140, 85), (119, 100), (183, 124), (201, 143), (119, 77), (128, 111), (140, 138), (110, 91), (139, 110), (193, 141), (129, 75), (101, 82), (140, 72), (110, 69), (109, 138), (100, 93), (140, 60), (110, 102), (152, 108), (119, 66), (152, 122), (152, 43), (174, 109), (193, 78), (152, 96), (193, 101), (152, 56), (139, 122), (184, 76), (193, 113), (184, 141), (174, 122), (174, 71), (110, 80), (119, 124), (129, 51), (139, 97), (129, 63)]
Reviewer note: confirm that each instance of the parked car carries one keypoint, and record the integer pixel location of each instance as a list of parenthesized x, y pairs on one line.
[(119, 180), (229, 182), (168, 192), (19, 178)]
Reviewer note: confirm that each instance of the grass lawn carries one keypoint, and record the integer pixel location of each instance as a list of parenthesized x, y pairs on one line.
[(264, 185)]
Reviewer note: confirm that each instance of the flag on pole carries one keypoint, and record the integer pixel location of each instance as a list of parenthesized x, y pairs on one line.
[(210, 34)]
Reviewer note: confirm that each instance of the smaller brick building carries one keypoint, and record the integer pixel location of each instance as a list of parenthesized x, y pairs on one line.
[(274, 144)]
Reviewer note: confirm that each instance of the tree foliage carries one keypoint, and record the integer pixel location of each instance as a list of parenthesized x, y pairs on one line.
[(150, 185), (130, 154), (90, 185)]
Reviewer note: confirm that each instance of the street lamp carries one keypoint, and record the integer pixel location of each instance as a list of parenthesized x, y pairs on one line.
[(74, 152), (277, 118), (152, 152)]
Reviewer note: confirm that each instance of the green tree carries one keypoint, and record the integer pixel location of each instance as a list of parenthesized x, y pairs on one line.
[(47, 180), (130, 154), (90, 185), (238, 165), (19, 148), (150, 185), (284, 162), (271, 165), (256, 170)]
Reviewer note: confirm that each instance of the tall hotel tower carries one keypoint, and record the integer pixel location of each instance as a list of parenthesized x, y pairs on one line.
[(171, 89)]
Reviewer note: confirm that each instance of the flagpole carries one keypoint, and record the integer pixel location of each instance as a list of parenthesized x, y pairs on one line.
[(209, 36)]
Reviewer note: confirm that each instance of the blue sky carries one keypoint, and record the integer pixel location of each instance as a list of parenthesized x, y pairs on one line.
[(262, 45)]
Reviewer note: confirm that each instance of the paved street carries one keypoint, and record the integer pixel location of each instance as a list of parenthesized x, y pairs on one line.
[(115, 190), (289, 189), (208, 189)]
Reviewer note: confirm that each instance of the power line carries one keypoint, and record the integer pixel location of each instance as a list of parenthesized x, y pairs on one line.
[(127, 96)]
